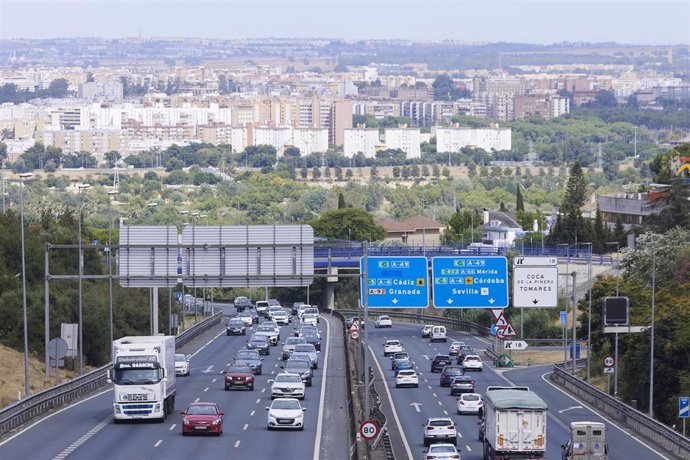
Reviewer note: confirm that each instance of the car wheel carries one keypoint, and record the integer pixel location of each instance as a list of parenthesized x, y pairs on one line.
[(301, 428), (228, 333), (269, 428), (309, 383), (426, 442), (227, 388), (459, 413), (259, 373), (184, 433), (455, 441)]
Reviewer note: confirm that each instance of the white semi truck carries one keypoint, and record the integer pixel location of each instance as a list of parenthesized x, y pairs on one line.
[(587, 442), (513, 424), (143, 377)]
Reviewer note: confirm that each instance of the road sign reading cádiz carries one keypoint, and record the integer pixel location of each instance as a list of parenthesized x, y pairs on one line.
[(369, 429), (609, 361), (395, 282)]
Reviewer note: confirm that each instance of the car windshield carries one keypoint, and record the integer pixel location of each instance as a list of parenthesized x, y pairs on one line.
[(202, 410), (137, 376), (309, 330), (462, 379), (296, 364), (311, 337), (248, 354), (452, 370), (285, 404), (243, 314), (442, 449), (239, 370), (392, 343), (472, 358), (263, 328), (288, 378), (180, 358), (406, 373), (236, 322), (294, 340), (258, 339), (306, 348), (470, 397)]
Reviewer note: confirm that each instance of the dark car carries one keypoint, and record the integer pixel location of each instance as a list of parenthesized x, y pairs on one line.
[(236, 327), (202, 417), (461, 384), (239, 377), (439, 362), (301, 367), (403, 364), (313, 339), (241, 303), (259, 343), (254, 314), (295, 307), (249, 358), (398, 355), (464, 351), (449, 373)]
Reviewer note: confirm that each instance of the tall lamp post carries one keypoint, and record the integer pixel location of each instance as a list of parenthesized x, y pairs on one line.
[(81, 275), (111, 195), (615, 339), (27, 385), (589, 309), (651, 351), (153, 302)]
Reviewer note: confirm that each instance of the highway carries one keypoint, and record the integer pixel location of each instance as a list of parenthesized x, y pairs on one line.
[(414, 405), (86, 430)]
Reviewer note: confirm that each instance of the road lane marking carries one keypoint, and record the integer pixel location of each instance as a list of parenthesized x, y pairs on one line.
[(205, 389), (246, 425), (158, 443), (390, 401), (439, 403), (208, 369), (322, 397), (263, 390), (197, 400), (445, 412), (258, 401), (88, 435), (214, 380), (237, 444), (543, 377), (251, 414), (172, 427), (434, 394)]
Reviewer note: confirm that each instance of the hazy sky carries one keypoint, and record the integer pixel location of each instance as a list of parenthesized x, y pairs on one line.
[(527, 21)]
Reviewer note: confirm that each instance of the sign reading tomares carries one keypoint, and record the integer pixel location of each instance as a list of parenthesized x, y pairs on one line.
[(535, 282)]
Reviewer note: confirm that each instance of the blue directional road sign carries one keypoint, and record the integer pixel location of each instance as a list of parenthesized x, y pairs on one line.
[(470, 282), (564, 318), (684, 407), (396, 282)]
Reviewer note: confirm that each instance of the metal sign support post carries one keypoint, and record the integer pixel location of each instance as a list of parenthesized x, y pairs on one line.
[(615, 369), (574, 321), (365, 305)]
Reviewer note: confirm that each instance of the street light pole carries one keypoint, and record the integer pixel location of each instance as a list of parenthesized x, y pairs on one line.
[(615, 336), (651, 351), (81, 275), (27, 384), (589, 310), (111, 194)]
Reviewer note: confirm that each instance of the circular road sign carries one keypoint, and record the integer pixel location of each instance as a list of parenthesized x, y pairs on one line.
[(369, 429), (609, 361), (354, 335), (57, 348)]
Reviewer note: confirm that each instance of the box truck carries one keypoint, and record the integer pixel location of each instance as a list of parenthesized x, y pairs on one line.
[(143, 377), (513, 424)]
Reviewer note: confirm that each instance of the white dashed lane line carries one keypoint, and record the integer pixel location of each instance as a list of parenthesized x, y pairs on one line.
[(237, 444), (158, 443), (252, 413), (244, 428), (258, 401), (205, 389), (172, 427), (197, 399)]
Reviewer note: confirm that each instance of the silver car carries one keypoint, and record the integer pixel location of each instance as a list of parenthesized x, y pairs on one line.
[(287, 384), (289, 345), (308, 350)]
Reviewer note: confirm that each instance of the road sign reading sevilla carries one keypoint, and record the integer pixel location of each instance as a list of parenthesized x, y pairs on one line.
[(470, 282), (395, 282)]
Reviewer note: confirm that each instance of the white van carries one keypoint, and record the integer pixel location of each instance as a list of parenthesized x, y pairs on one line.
[(438, 333)]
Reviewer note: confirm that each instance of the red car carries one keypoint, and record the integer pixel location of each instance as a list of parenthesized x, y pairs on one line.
[(239, 377), (202, 417)]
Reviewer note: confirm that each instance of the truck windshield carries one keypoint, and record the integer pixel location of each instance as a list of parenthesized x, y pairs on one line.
[(137, 376)]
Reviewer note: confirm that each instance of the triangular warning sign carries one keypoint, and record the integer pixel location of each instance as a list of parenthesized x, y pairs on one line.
[(501, 321), (355, 326), (497, 312), (509, 331)]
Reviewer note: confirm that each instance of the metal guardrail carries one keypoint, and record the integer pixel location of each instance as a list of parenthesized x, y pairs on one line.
[(22, 411), (644, 426), (415, 318)]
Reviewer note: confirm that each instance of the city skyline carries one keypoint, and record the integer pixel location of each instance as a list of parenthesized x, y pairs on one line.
[(665, 22)]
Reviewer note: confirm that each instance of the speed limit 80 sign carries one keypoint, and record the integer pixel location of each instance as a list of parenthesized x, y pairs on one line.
[(369, 429)]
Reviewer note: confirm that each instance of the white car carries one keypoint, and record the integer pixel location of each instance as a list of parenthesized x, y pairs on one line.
[(407, 378), (442, 452), (470, 403), (181, 364), (392, 346), (287, 385), (454, 348), (472, 363), (281, 318), (273, 309), (269, 332), (261, 307), (440, 429), (383, 321), (285, 413), (311, 319)]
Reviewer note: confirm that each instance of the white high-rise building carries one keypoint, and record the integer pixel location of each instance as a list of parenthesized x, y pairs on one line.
[(454, 139), (310, 140), (406, 139), (363, 140)]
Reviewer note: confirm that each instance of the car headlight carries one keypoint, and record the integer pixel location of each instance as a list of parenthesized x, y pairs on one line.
[(185, 421), (216, 421)]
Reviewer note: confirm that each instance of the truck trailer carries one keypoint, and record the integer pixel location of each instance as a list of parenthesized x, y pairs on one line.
[(513, 425), (587, 442), (143, 378)]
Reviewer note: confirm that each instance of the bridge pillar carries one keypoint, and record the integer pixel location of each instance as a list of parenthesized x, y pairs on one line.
[(328, 294)]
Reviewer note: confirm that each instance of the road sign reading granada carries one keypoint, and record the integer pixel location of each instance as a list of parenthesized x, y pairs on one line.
[(395, 282), (470, 282)]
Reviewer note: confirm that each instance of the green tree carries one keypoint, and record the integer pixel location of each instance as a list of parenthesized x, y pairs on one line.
[(316, 173), (519, 201), (396, 172), (348, 222), (341, 201), (111, 158)]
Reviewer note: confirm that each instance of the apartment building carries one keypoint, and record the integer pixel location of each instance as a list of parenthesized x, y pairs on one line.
[(489, 139), (544, 105), (364, 140), (406, 139)]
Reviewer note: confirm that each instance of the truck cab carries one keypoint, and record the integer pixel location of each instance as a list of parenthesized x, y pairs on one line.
[(587, 442)]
